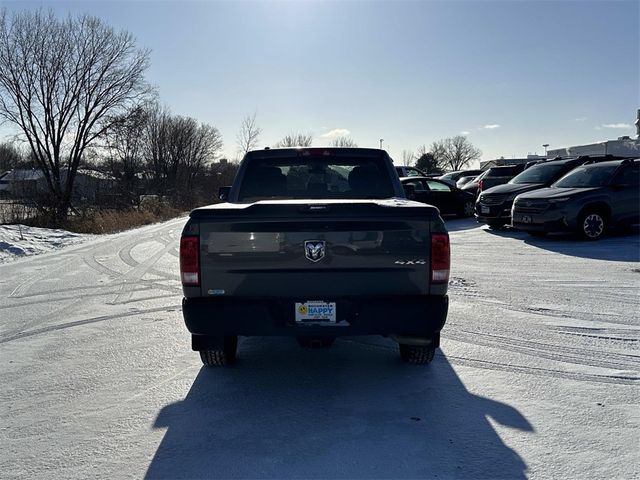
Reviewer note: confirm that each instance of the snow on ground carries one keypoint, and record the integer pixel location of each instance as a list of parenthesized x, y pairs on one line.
[(538, 373), (18, 241)]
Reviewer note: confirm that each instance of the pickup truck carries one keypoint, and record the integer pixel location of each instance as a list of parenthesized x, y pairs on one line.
[(315, 243)]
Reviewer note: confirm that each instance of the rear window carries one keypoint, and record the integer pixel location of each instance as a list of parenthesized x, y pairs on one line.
[(504, 171), (451, 176), (321, 178), (413, 172)]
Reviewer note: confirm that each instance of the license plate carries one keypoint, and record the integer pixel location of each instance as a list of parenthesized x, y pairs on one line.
[(484, 209), (526, 219), (315, 311)]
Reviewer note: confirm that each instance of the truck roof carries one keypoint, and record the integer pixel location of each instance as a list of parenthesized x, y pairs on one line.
[(316, 151)]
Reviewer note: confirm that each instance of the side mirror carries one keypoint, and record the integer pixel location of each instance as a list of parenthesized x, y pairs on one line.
[(223, 193), (409, 191)]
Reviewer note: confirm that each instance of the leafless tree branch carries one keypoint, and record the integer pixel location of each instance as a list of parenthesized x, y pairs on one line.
[(247, 138), (64, 83)]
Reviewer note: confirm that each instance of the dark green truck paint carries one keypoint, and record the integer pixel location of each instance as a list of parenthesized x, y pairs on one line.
[(376, 260)]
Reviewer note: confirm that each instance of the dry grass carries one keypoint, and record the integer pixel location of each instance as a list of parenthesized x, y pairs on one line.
[(111, 221)]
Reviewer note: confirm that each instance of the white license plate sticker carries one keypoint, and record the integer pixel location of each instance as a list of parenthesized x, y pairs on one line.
[(315, 311), (484, 209)]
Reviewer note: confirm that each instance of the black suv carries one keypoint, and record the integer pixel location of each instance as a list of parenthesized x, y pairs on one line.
[(588, 200), (493, 206), (493, 176)]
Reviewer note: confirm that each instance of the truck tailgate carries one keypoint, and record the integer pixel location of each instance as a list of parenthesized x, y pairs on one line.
[(315, 249)]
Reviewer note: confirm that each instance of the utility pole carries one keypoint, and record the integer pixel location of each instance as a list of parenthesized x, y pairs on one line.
[(381, 140), (545, 148)]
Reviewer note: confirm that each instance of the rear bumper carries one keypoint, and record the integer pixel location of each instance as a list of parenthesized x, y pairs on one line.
[(546, 222), (395, 315)]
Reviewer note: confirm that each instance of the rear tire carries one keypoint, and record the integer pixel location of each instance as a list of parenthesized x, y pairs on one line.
[(592, 224), (468, 209), (315, 342), (224, 355), (417, 354)]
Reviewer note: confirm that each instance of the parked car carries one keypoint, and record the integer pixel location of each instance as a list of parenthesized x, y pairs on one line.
[(499, 176), (315, 243), (588, 200), (449, 200), (409, 172), (462, 181), (493, 176), (493, 206), (452, 177)]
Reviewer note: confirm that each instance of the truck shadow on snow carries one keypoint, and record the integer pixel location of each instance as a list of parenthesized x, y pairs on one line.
[(353, 411), (620, 246), (455, 224)]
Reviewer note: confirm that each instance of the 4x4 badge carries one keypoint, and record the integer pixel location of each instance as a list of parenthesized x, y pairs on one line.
[(314, 250)]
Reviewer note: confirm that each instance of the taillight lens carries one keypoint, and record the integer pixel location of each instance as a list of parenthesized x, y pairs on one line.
[(190, 260), (480, 184), (440, 258)]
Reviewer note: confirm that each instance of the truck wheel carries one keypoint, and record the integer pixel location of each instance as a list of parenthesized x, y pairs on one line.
[(315, 342), (416, 354), (219, 357), (468, 209), (592, 224)]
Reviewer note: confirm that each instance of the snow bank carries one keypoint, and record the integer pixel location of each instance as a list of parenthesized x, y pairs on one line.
[(18, 241)]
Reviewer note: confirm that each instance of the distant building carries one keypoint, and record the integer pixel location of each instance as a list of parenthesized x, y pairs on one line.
[(623, 147), (22, 182), (88, 184)]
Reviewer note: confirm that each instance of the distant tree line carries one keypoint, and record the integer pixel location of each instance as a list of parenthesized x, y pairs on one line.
[(453, 153), (74, 89)]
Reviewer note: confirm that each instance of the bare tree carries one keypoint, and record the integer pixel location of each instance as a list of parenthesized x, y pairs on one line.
[(178, 150), (296, 139), (126, 147), (460, 152), (407, 157), (438, 150), (156, 145), (63, 82), (344, 142), (247, 137), (426, 161), (10, 156)]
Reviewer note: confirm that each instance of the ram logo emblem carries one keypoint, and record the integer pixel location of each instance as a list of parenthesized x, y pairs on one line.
[(314, 250)]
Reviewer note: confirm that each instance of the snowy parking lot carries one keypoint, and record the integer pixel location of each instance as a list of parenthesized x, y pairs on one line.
[(538, 374)]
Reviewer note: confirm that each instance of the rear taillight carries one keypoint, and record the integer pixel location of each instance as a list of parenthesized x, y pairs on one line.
[(440, 258), (480, 185), (190, 261)]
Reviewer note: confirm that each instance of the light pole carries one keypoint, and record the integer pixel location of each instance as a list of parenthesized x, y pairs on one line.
[(381, 140), (545, 145)]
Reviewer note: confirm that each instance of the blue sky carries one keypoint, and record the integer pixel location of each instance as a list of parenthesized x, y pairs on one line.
[(512, 75)]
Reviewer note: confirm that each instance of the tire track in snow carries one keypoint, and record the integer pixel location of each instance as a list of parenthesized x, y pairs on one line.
[(136, 274), (513, 368), (20, 291), (126, 256), (88, 321), (549, 352)]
